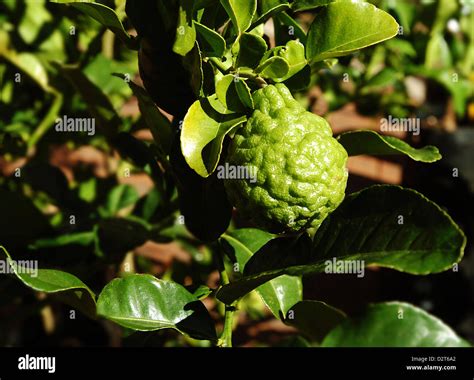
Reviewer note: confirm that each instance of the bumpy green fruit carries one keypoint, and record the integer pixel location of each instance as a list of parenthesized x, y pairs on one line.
[(300, 168)]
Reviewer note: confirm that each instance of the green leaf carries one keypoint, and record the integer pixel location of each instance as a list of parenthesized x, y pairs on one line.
[(293, 53), (117, 236), (406, 13), (120, 197), (34, 17), (144, 303), (159, 125), (388, 226), (202, 291), (100, 70), (79, 238), (104, 15), (446, 9), (185, 30), (393, 324), (202, 201), (304, 5), (370, 142), (240, 12), (332, 35), (279, 294), (300, 81), (274, 68), (165, 78), (192, 62), (314, 319), (401, 47), (67, 287), (438, 55), (211, 43), (267, 9), (290, 27), (30, 65), (460, 89), (204, 128), (234, 93), (382, 79), (251, 50), (134, 149), (97, 102)]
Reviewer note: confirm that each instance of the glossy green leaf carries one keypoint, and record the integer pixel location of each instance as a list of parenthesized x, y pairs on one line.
[(393, 324), (185, 30), (388, 226), (370, 142), (240, 12), (211, 43), (267, 9), (251, 50), (65, 286), (274, 68), (332, 35), (159, 125), (293, 53), (288, 27), (279, 294), (304, 5), (314, 319), (104, 15), (204, 128), (144, 303), (234, 93)]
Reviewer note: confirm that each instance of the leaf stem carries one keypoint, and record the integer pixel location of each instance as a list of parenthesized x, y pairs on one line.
[(225, 339), (250, 74), (46, 123), (218, 64)]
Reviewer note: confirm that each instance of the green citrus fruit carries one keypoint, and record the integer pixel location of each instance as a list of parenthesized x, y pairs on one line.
[(295, 170)]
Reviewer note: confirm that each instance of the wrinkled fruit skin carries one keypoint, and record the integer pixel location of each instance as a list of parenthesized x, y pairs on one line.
[(300, 168)]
